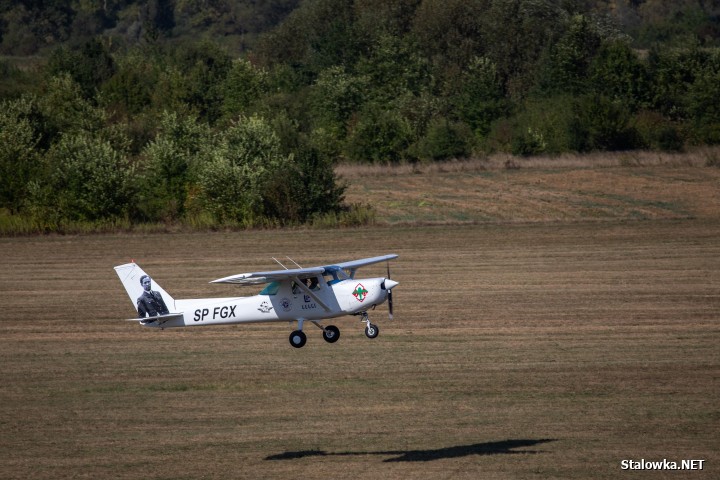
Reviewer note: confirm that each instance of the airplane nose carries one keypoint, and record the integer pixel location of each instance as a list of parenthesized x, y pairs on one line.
[(390, 284)]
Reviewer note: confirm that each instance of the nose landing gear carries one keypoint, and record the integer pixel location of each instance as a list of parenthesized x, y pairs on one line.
[(371, 330)]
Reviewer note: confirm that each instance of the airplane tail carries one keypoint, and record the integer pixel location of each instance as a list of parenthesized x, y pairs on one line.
[(130, 275)]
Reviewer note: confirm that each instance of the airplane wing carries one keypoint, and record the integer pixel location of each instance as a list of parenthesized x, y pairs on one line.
[(256, 278), (355, 264)]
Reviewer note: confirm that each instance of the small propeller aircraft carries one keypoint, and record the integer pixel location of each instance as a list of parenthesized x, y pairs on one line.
[(291, 295)]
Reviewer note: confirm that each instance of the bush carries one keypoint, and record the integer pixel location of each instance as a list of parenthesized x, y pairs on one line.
[(443, 140), (658, 132), (603, 124), (20, 161), (171, 163), (89, 179), (379, 136), (545, 125), (240, 170), (480, 97), (703, 106)]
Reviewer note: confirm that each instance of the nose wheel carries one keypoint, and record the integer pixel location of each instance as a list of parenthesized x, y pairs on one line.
[(371, 330)]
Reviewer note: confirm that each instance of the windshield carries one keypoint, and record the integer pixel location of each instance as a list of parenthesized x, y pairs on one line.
[(334, 275), (271, 289)]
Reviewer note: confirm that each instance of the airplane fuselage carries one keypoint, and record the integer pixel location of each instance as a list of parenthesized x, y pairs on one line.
[(285, 303)]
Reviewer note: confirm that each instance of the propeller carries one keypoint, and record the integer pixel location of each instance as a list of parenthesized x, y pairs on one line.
[(390, 300)]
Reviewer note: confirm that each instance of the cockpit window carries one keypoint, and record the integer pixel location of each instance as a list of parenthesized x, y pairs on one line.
[(271, 289), (311, 283), (334, 275)]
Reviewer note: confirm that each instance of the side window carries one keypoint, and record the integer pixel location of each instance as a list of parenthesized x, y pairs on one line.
[(271, 289)]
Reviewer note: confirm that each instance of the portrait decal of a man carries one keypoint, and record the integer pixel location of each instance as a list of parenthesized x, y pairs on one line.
[(150, 304)]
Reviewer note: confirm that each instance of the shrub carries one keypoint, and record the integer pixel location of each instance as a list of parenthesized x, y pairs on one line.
[(379, 136), (89, 179), (20, 160), (444, 139), (603, 124)]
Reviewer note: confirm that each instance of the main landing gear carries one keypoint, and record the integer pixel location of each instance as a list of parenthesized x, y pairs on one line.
[(331, 333)]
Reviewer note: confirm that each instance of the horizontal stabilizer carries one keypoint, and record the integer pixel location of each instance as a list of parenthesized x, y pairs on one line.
[(157, 318)]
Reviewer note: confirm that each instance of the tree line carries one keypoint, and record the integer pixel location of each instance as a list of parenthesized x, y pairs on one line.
[(175, 130)]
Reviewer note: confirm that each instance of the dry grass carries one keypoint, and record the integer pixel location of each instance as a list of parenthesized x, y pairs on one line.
[(599, 187), (698, 157), (518, 351)]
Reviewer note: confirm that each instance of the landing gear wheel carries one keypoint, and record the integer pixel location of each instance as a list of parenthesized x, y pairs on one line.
[(372, 330), (331, 334), (298, 339)]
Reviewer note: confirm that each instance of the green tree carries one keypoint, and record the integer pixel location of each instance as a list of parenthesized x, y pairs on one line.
[(89, 179), (702, 105), (566, 67), (618, 73), (66, 110), (479, 98), (394, 68), (518, 32), (130, 90), (317, 35), (236, 173), (379, 136), (20, 158), (171, 164), (204, 68), (89, 66), (672, 72), (444, 139), (604, 124), (242, 88), (451, 33), (547, 125), (334, 97)]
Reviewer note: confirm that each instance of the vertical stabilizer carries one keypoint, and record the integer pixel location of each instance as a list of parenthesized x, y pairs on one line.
[(130, 275)]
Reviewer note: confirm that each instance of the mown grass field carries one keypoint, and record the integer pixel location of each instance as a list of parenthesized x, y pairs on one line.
[(549, 349), (600, 187)]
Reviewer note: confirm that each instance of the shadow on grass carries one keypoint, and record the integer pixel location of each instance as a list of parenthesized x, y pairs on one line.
[(505, 447)]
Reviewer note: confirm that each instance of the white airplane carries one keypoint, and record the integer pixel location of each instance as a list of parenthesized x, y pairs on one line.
[(291, 295)]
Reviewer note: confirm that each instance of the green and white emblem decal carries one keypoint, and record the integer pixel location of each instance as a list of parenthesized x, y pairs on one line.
[(360, 292)]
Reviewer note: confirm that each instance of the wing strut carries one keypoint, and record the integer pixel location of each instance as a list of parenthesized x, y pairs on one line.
[(312, 295)]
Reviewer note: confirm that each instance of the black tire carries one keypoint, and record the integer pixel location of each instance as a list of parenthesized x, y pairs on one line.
[(331, 334), (372, 330), (298, 339)]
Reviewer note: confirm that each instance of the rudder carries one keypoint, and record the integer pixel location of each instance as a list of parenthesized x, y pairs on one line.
[(130, 275)]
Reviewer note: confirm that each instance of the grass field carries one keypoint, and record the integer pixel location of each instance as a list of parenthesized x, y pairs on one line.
[(525, 351), (601, 187), (548, 349)]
